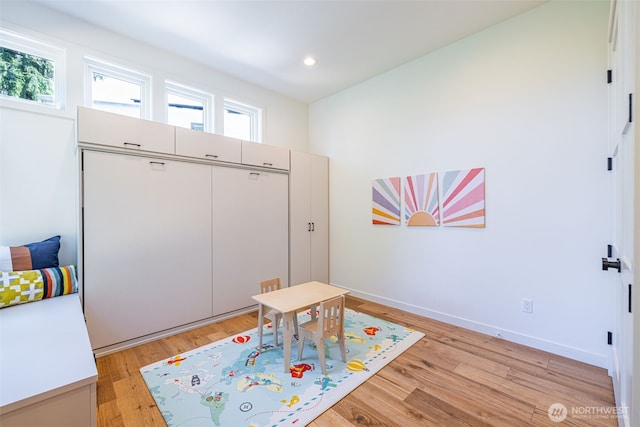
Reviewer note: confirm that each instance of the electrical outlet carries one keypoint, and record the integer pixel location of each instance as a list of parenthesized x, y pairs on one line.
[(527, 305)]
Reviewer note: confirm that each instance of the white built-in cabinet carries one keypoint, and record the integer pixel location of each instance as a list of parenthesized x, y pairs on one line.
[(147, 245), (207, 146), (174, 234), (267, 156), (48, 373), (100, 127), (309, 218), (250, 238)]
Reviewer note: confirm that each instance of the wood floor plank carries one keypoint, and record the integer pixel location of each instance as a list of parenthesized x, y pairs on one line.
[(109, 414), (451, 377), (460, 355), (439, 405), (368, 408), (582, 371), (330, 418), (558, 387), (474, 398), (134, 404)]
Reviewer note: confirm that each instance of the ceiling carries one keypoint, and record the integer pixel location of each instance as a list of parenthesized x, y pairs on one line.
[(264, 42)]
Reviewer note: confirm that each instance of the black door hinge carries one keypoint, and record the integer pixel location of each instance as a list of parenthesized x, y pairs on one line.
[(609, 76), (609, 163), (609, 338)]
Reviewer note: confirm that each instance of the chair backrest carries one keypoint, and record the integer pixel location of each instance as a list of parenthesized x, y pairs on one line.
[(270, 285), (331, 318)]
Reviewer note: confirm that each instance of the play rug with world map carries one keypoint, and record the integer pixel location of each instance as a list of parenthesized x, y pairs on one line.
[(231, 383)]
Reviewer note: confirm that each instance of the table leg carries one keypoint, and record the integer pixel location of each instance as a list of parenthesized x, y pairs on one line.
[(260, 325), (287, 336)]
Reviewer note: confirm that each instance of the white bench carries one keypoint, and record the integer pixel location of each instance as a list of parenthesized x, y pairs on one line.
[(48, 373)]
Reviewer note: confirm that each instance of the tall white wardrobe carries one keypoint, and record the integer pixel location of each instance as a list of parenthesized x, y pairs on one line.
[(309, 218), (178, 227)]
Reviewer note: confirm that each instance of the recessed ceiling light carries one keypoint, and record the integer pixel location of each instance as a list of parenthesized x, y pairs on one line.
[(310, 61)]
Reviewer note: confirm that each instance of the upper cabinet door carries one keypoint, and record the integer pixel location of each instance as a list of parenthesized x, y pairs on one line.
[(101, 127), (208, 146), (266, 156)]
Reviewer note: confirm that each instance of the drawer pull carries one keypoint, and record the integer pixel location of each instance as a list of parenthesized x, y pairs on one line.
[(267, 164), (131, 144), (214, 156), (156, 163)]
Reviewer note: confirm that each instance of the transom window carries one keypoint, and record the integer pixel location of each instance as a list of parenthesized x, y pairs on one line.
[(117, 89), (189, 108), (31, 71), (242, 121)]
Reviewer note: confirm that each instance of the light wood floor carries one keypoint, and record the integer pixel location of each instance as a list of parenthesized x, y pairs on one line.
[(452, 377)]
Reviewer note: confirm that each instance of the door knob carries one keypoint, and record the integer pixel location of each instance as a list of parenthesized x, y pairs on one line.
[(606, 264)]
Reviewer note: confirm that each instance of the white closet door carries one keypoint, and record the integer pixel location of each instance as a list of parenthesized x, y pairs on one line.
[(300, 221), (250, 237), (309, 227), (147, 245), (319, 208)]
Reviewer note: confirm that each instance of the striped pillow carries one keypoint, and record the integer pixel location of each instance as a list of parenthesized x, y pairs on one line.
[(59, 281), (19, 287)]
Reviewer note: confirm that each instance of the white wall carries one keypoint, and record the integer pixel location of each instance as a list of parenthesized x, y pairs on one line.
[(527, 100), (38, 173)]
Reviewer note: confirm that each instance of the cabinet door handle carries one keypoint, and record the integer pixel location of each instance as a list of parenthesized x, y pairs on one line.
[(267, 164), (313, 226), (156, 163), (309, 226), (131, 144), (215, 156), (254, 173)]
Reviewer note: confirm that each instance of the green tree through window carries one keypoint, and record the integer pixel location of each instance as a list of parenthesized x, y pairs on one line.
[(25, 76)]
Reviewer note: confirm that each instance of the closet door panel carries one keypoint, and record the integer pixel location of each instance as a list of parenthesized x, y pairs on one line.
[(300, 221), (147, 245), (250, 238), (309, 207), (319, 209)]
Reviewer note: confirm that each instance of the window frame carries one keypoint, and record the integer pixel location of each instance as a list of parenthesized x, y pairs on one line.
[(57, 55), (207, 99), (255, 113), (94, 65)]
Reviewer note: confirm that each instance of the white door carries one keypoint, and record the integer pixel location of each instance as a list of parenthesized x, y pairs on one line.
[(147, 245), (319, 184), (250, 234), (309, 220), (300, 218), (620, 260)]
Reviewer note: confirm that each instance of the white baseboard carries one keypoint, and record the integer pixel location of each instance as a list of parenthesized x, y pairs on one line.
[(599, 360)]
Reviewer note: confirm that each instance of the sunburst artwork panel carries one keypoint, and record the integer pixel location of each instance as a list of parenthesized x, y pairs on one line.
[(463, 198), (386, 201), (421, 200)]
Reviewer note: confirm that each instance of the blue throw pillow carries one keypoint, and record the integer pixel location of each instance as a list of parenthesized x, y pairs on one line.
[(44, 254)]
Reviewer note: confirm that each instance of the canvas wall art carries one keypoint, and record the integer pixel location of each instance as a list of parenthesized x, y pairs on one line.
[(421, 200), (386, 201), (463, 198)]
